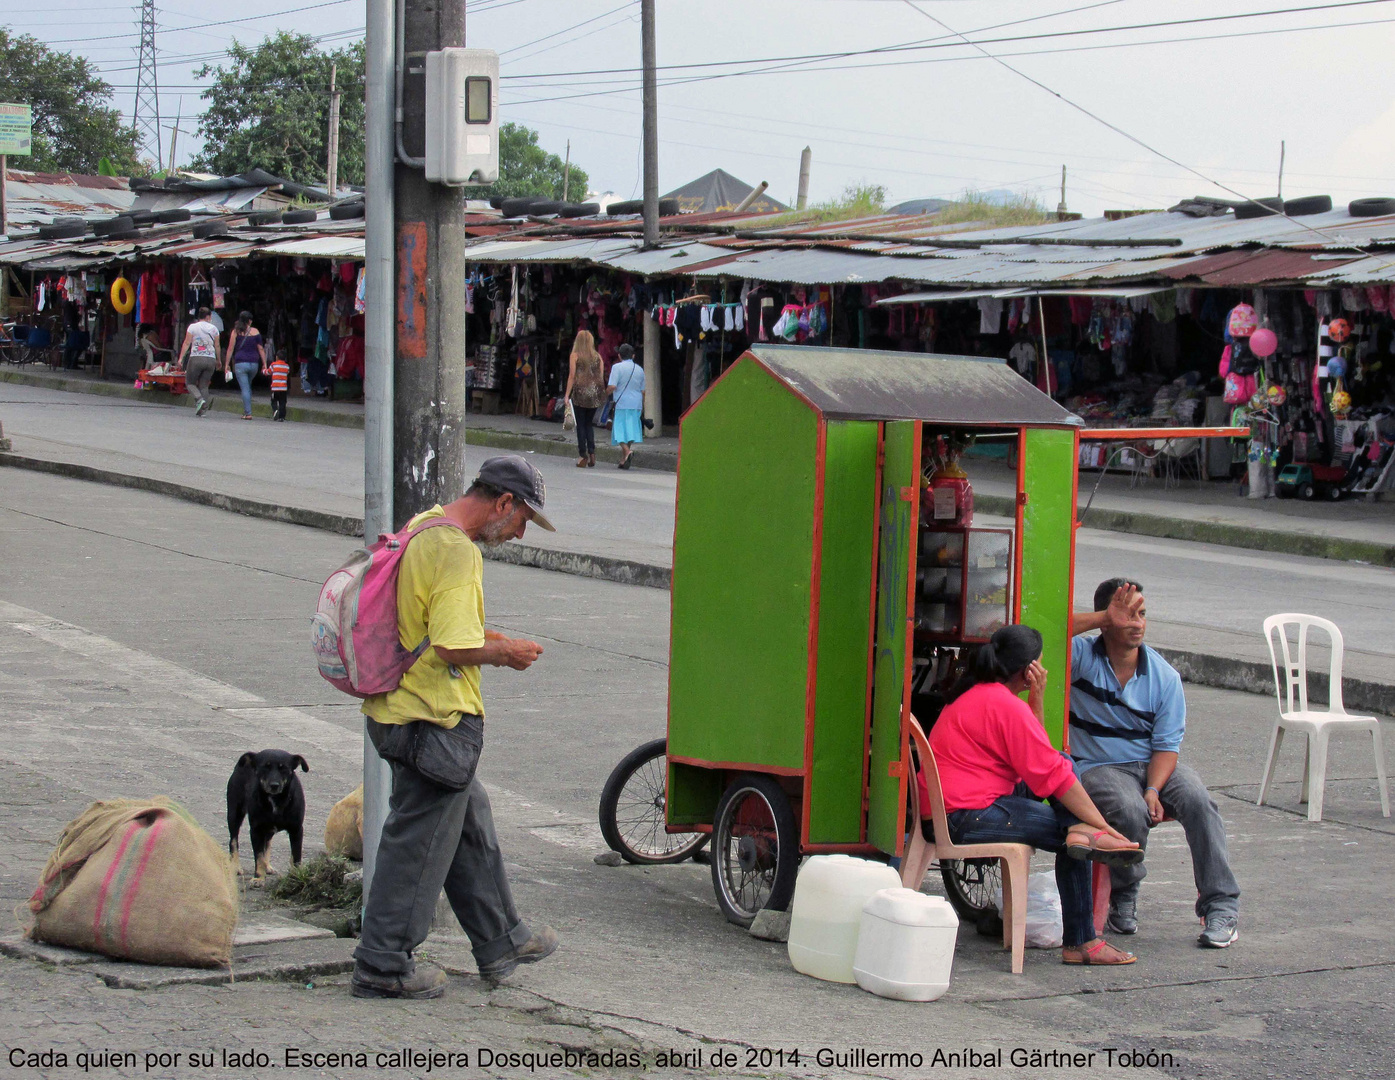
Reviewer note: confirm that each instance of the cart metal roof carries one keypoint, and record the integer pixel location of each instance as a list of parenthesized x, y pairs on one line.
[(862, 384)]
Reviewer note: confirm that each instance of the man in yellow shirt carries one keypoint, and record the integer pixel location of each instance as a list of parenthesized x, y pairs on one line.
[(439, 831)]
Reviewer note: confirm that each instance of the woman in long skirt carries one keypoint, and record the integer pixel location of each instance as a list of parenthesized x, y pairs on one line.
[(627, 385)]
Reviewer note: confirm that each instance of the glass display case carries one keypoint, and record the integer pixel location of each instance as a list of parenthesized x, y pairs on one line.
[(963, 583)]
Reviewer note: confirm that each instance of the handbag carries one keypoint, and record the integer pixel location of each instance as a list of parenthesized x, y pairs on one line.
[(569, 417), (605, 415), (445, 756)]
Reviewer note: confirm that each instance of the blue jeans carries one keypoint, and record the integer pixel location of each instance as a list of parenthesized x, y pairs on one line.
[(1014, 819), (246, 371)]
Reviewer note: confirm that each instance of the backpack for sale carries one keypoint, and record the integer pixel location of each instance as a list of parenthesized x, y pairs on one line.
[(354, 632)]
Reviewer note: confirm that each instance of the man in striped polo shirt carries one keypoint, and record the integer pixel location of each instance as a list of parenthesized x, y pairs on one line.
[(1127, 720)]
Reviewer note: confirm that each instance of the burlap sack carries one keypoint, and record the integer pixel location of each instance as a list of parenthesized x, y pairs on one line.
[(138, 879), (344, 829)]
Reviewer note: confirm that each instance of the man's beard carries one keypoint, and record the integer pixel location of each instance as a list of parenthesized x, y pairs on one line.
[(495, 532)]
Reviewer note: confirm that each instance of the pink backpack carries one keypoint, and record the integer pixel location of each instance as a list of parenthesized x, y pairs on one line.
[(354, 632)]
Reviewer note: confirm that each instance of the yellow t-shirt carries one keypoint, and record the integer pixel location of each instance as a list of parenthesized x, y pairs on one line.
[(440, 595)]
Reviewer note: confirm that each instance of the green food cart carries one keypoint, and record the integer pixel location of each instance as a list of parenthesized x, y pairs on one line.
[(813, 599)]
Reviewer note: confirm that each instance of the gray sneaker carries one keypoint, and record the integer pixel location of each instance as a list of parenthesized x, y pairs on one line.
[(427, 981), (201, 407), (1221, 931), (1123, 916), (541, 945)]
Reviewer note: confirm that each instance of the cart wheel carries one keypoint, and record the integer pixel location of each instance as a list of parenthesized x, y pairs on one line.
[(755, 849), (1306, 491), (1335, 492), (633, 803), (970, 885)]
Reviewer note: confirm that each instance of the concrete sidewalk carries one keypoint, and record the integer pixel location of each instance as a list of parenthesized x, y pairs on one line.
[(1207, 601), (1202, 511)]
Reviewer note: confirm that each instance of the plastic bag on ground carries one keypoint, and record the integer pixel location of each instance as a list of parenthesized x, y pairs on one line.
[(1044, 923), (138, 879)]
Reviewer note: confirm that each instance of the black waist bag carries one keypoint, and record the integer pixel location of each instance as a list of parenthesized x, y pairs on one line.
[(445, 756)]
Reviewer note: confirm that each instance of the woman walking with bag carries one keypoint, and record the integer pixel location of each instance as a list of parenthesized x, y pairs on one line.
[(585, 391), (247, 355), (627, 384)]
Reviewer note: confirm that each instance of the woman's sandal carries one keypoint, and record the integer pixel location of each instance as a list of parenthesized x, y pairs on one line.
[(1096, 955), (1109, 856)]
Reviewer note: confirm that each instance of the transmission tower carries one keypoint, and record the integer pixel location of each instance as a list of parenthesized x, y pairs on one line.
[(145, 117)]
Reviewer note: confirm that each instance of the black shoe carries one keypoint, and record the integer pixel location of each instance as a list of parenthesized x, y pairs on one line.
[(427, 981), (1123, 917), (541, 945)]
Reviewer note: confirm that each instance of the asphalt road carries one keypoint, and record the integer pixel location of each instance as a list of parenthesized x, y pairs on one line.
[(144, 643), (1220, 593)]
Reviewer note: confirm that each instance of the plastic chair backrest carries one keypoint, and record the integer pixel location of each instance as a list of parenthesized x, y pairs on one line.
[(1293, 683), (932, 784)]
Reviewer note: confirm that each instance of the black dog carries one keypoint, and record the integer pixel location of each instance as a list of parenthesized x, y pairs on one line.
[(265, 789)]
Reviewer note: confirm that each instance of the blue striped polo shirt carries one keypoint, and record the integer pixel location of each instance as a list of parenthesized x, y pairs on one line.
[(1110, 724)]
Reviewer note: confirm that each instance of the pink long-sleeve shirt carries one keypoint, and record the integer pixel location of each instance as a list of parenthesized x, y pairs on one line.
[(988, 740)]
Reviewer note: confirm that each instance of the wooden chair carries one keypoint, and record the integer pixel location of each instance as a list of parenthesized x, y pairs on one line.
[(1015, 858)]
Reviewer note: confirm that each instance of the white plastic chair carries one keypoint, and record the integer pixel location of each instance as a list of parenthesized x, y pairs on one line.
[(1291, 687)]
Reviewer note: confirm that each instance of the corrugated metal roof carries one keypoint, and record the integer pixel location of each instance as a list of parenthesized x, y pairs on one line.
[(319, 247), (862, 384)]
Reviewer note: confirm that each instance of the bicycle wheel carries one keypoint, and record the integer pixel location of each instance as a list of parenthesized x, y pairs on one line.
[(972, 885), (755, 849), (633, 805)]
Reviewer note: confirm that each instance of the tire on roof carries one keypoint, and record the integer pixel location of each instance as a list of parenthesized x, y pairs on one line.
[(1308, 204), (299, 217), (1260, 208), (346, 211), (1371, 207), (68, 231), (209, 228)]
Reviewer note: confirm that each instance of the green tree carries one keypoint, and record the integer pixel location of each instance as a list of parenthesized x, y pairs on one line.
[(525, 168), (75, 124), (269, 108)]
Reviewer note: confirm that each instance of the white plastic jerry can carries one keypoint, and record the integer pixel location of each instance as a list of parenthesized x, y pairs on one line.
[(827, 911), (905, 946)]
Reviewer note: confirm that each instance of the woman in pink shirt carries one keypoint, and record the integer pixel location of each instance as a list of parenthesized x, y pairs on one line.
[(993, 756)]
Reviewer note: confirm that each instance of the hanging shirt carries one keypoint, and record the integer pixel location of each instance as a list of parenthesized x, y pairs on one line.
[(990, 311), (1023, 356)]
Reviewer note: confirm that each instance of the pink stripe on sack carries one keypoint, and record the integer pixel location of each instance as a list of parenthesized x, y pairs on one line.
[(134, 886), (106, 881)]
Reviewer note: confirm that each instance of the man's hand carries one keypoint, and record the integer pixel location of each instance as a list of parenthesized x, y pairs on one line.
[(1124, 608), (518, 653), (1155, 806)]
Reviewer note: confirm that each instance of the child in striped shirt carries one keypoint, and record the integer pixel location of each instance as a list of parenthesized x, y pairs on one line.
[(280, 371)]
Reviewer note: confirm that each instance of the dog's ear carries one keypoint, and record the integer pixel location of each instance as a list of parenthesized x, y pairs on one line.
[(298, 760), (247, 760)]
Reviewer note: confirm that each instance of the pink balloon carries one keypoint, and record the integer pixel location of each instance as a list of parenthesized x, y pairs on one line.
[(1263, 342)]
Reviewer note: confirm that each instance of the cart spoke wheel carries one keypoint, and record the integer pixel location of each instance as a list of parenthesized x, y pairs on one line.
[(755, 849), (634, 804), (972, 885)]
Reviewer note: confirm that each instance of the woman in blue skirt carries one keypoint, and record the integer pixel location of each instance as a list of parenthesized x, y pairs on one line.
[(627, 387)]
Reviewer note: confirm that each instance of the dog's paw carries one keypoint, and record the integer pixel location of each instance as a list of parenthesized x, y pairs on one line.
[(256, 883)]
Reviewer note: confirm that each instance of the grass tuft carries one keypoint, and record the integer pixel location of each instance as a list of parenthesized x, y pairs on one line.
[(319, 883)]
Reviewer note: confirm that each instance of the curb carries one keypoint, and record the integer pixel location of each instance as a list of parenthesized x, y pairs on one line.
[(1256, 677), (315, 519), (1125, 521)]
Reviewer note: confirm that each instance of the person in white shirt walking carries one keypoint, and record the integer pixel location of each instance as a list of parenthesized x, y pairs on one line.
[(201, 347), (627, 387)]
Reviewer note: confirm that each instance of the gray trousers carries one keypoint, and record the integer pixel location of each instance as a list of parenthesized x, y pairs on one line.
[(1117, 790), (198, 375), (437, 838)]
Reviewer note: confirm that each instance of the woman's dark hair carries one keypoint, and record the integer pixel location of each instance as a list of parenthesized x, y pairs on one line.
[(245, 318), (1011, 649), (204, 313)]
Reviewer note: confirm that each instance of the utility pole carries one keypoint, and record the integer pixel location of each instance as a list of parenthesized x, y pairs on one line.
[(653, 376), (379, 153), (567, 172), (428, 451), (1282, 150), (651, 123), (332, 151), (1061, 209), (175, 132), (806, 160)]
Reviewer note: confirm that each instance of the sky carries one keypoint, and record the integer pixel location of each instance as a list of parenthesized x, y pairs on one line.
[(885, 91)]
